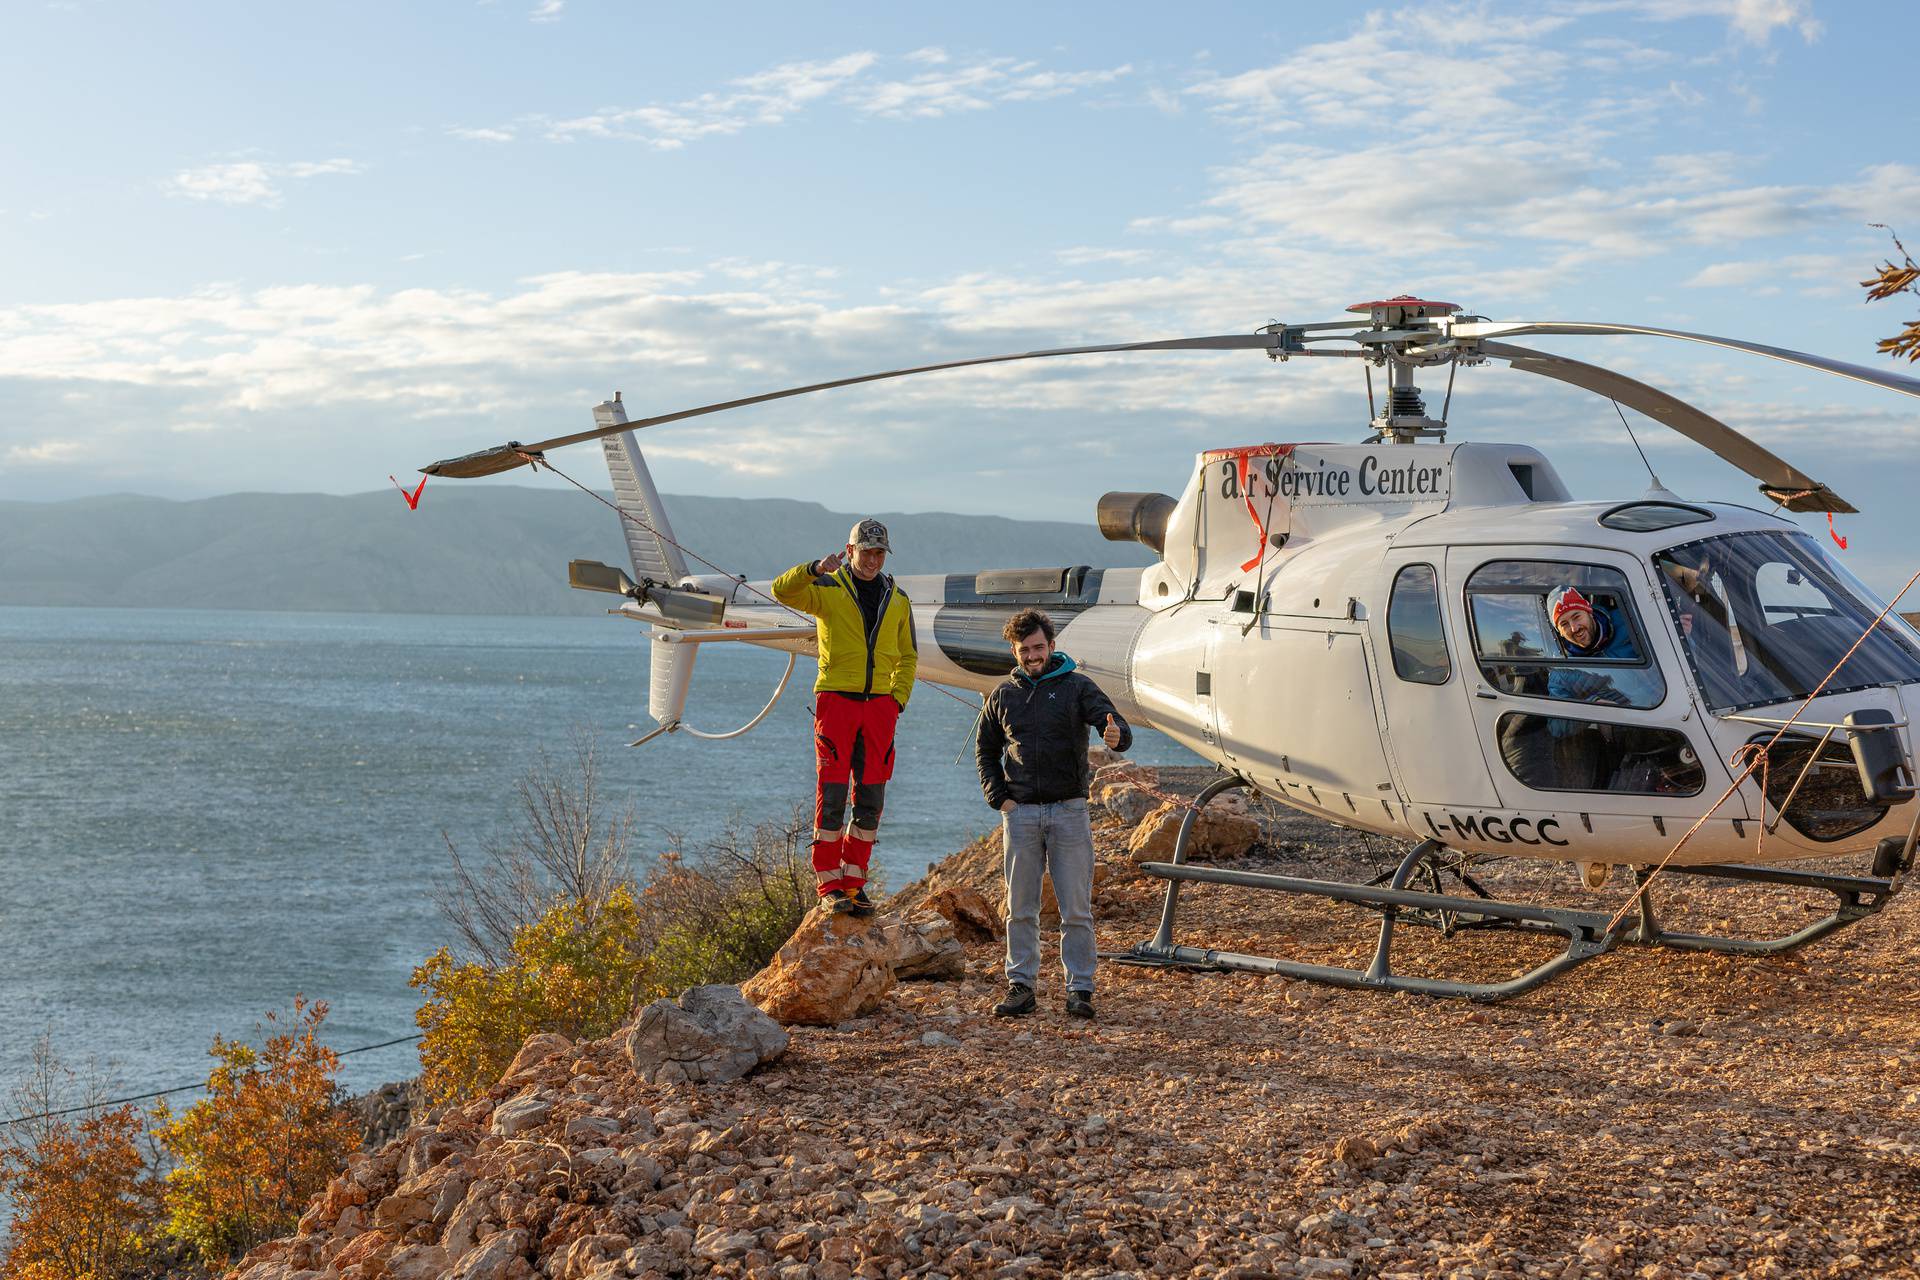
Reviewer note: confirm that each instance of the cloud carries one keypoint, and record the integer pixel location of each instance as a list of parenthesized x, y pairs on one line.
[(1515, 176), (973, 88), (852, 81), (48, 452), (547, 11), (1753, 21), (765, 98), (1083, 254), (244, 182), (1474, 66), (1825, 273)]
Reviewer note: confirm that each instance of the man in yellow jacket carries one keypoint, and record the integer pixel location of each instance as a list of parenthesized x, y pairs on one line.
[(867, 660)]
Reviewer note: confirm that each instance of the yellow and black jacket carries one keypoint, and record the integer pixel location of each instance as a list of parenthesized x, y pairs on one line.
[(853, 660)]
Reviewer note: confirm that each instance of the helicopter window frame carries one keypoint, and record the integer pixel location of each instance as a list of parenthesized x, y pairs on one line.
[(1613, 581), (1615, 517), (1405, 664)]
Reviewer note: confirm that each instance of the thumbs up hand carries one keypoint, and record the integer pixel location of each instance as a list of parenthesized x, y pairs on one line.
[(830, 563), (1111, 734)]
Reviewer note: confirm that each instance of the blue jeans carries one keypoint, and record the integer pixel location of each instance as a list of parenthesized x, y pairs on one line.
[(1055, 839)]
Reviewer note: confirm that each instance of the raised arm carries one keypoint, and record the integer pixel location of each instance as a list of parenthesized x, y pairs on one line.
[(801, 585)]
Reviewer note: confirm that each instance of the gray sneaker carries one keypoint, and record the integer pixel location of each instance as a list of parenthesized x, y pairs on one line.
[(1019, 1001), (1080, 1004)]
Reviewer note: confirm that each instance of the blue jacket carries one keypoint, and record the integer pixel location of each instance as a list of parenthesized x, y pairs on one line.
[(1616, 686)]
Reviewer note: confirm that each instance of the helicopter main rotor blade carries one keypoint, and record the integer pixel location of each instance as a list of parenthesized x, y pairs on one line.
[(1476, 329), (1777, 477), (513, 454)]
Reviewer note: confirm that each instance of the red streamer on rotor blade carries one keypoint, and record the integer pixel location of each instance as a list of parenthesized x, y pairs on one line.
[(1834, 533), (413, 499)]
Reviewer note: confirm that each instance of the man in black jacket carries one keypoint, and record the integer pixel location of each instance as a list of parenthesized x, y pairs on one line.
[(1031, 748)]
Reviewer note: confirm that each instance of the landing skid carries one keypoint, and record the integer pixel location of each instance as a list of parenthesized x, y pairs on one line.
[(1586, 932)]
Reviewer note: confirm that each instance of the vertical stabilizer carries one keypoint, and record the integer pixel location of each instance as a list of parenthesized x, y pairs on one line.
[(655, 557)]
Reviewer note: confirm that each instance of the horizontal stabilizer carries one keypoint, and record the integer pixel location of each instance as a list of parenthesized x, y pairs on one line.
[(679, 606)]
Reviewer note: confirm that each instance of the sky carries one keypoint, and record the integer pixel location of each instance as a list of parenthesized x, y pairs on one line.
[(289, 248)]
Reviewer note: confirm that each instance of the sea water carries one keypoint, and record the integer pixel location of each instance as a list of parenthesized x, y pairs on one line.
[(204, 813)]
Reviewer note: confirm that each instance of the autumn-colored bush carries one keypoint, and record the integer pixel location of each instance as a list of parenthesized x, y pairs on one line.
[(574, 970), (81, 1199), (267, 1137)]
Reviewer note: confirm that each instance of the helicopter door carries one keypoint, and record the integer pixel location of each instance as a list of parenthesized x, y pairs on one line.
[(1599, 736), (1424, 676), (1293, 706)]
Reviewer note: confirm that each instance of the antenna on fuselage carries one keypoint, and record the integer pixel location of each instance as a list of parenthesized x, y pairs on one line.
[(1657, 490)]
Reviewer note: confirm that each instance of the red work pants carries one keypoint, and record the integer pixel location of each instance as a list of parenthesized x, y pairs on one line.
[(853, 748)]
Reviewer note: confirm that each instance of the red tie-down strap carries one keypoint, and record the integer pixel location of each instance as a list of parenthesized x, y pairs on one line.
[(1834, 533), (1242, 459), (413, 499)]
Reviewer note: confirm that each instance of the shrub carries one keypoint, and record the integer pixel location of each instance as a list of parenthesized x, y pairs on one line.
[(560, 848), (555, 942), (81, 1199), (722, 918), (575, 970), (265, 1139)]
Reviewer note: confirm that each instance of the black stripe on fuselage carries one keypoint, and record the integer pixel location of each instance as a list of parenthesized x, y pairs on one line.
[(967, 625)]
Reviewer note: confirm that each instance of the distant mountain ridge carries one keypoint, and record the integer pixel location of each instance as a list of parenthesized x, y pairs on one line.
[(492, 550)]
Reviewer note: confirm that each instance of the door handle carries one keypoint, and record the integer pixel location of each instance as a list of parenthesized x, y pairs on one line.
[(1488, 694)]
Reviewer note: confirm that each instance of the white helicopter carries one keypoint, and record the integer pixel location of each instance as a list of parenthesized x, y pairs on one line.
[(1363, 632)]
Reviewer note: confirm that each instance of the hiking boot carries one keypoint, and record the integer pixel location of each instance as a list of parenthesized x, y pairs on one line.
[(1080, 1004), (862, 904), (837, 902), (1019, 1001)]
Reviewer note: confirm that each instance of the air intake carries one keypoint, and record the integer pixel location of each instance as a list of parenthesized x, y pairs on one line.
[(1136, 517)]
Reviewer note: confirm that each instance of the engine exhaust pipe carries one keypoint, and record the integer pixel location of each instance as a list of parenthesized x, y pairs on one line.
[(1136, 517)]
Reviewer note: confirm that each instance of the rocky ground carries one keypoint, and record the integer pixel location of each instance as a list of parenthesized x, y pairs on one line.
[(1651, 1115)]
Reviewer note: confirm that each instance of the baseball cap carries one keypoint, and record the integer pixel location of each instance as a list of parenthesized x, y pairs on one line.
[(868, 533)]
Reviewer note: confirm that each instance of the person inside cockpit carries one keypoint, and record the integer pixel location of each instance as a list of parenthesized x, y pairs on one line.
[(1586, 756), (1588, 632), (1705, 630)]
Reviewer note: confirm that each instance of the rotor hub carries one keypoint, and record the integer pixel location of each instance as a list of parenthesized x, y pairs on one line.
[(1395, 313)]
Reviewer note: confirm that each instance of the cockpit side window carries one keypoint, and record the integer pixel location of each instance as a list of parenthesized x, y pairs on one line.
[(1414, 629), (1560, 630)]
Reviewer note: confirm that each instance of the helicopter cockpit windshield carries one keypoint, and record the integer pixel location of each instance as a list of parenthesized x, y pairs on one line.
[(1763, 617)]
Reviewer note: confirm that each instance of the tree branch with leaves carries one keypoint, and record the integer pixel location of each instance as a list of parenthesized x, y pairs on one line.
[(1894, 278)]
